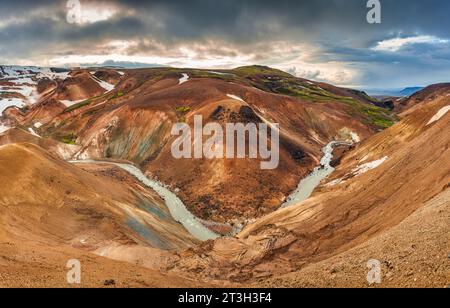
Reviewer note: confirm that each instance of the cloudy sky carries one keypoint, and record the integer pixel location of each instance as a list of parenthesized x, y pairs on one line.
[(326, 40)]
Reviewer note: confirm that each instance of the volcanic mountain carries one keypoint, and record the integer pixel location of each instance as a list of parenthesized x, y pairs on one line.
[(90, 174), (388, 199), (132, 121)]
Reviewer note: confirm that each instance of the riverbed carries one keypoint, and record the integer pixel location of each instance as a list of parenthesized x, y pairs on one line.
[(192, 224), (310, 183), (177, 209)]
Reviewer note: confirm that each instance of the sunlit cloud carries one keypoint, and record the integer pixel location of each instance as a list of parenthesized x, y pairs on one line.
[(185, 61), (93, 15), (92, 12), (297, 59), (395, 44)]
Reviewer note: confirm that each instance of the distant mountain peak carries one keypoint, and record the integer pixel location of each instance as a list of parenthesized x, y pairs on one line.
[(410, 91)]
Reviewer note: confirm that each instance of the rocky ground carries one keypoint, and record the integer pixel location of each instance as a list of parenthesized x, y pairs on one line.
[(387, 200), (413, 254)]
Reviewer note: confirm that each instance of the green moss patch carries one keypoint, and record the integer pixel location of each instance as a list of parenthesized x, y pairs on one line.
[(78, 106), (69, 139)]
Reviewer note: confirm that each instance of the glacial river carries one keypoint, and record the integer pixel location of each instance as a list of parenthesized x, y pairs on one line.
[(182, 215), (176, 207), (309, 184)]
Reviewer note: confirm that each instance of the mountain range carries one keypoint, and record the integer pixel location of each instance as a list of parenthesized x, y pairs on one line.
[(406, 92), (87, 157)]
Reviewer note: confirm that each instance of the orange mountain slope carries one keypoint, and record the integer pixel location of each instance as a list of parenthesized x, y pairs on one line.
[(379, 184), (133, 122)]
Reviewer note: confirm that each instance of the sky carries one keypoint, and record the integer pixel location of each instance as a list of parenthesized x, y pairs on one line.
[(322, 40)]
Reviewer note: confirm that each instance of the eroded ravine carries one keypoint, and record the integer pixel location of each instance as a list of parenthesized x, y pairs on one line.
[(177, 209), (192, 224), (307, 185)]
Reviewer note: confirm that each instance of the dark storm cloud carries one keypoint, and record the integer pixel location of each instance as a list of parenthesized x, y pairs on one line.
[(336, 28), (240, 18), (245, 20)]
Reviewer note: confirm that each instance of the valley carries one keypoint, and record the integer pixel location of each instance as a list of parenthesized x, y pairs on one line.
[(87, 158), (177, 209)]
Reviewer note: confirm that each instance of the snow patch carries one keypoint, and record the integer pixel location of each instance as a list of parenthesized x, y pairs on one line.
[(10, 102), (31, 130), (99, 104), (31, 71), (107, 86), (335, 182), (184, 79), (236, 98), (48, 73), (439, 115), (26, 80), (22, 90), (358, 171), (369, 166), (69, 103), (23, 81), (3, 128), (220, 73)]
